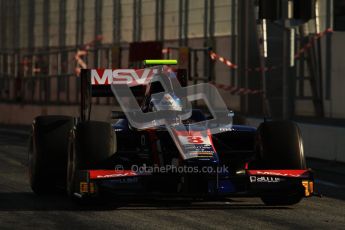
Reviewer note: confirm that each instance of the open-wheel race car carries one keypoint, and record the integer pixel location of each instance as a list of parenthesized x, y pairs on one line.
[(90, 159)]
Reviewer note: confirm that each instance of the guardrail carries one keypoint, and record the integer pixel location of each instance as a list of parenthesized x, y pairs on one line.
[(45, 90), (58, 89), (49, 77)]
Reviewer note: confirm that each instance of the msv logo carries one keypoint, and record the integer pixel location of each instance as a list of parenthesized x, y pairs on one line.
[(130, 77)]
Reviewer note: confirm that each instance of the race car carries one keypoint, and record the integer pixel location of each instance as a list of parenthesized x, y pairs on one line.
[(91, 159)]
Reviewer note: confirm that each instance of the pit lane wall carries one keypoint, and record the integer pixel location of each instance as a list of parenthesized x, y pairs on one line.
[(320, 141)]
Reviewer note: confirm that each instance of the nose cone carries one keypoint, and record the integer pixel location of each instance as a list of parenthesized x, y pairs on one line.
[(202, 162)]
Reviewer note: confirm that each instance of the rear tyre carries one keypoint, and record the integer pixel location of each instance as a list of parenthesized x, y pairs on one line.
[(279, 146), (90, 146), (48, 153)]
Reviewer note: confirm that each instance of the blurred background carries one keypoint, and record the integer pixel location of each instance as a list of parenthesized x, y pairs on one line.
[(281, 59)]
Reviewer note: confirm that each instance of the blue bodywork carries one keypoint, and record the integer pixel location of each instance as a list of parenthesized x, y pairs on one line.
[(220, 184)]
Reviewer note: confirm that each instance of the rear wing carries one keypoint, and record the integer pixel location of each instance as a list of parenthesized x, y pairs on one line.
[(85, 94), (96, 90), (88, 90), (97, 82)]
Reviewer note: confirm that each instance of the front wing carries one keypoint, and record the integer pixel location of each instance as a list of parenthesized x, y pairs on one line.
[(245, 183)]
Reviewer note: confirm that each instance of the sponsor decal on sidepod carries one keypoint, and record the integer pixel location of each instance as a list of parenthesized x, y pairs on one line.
[(264, 179)]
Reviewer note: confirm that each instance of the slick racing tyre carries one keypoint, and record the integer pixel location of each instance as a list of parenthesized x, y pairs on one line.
[(48, 147), (279, 146), (91, 144)]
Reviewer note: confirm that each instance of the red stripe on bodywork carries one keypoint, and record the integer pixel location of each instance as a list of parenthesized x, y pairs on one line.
[(246, 165), (286, 173), (102, 174), (209, 134)]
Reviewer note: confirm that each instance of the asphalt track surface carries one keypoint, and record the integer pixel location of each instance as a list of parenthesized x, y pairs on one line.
[(21, 209)]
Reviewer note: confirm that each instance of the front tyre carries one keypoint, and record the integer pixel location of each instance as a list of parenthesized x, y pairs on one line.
[(279, 146)]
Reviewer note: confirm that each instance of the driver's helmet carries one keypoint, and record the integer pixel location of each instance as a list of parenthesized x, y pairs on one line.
[(169, 102)]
